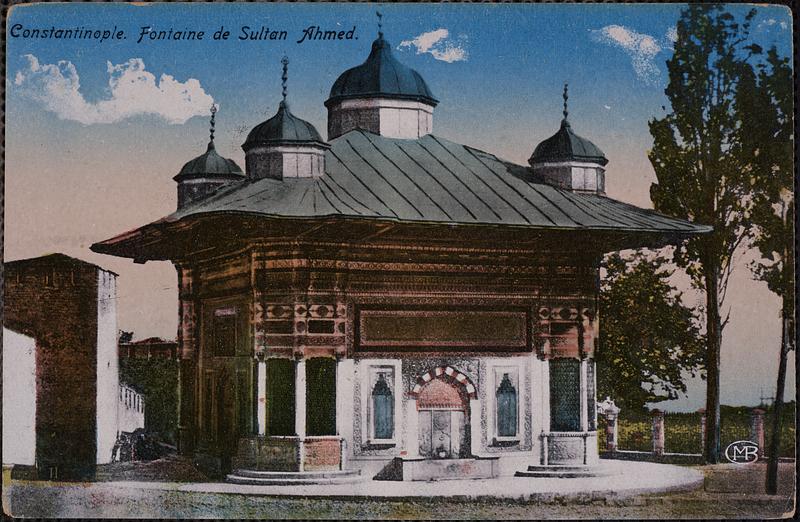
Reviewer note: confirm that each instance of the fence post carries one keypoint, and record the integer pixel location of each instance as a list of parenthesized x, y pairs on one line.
[(611, 430), (610, 411), (658, 433), (702, 412), (757, 429)]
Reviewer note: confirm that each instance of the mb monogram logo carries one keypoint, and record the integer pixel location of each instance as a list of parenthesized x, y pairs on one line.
[(742, 452)]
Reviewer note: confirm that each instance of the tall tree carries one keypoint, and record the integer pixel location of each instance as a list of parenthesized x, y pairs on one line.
[(649, 340), (771, 95), (702, 175)]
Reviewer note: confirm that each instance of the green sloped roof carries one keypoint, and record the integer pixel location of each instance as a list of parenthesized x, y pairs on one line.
[(430, 180), (426, 181)]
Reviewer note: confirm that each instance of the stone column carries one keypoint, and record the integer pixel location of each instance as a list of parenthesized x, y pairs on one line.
[(543, 439), (300, 410), (702, 413), (611, 431), (584, 397), (658, 433), (474, 426), (757, 429), (344, 405), (261, 397), (412, 428)]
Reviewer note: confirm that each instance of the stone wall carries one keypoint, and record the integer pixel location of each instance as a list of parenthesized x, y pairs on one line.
[(54, 299)]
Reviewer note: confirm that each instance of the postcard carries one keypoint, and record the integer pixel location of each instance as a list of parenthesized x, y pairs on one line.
[(399, 261)]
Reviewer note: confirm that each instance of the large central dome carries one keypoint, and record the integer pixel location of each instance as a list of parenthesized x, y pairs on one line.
[(381, 76)]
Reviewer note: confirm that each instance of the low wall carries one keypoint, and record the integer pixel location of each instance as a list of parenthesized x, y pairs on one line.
[(647, 456), (322, 453), (284, 453)]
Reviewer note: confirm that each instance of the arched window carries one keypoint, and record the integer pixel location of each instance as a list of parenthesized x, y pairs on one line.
[(506, 408), (382, 409)]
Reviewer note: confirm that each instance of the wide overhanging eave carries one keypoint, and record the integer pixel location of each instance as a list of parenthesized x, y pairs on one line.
[(171, 240)]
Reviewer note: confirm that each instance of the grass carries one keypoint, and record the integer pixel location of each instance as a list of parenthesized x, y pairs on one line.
[(682, 430)]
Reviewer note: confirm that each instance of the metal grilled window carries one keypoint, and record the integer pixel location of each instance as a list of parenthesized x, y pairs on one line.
[(321, 396), (565, 400), (506, 408), (383, 409), (280, 396)]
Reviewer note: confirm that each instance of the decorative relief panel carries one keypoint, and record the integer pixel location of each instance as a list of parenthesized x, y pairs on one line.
[(568, 330), (426, 329), (305, 319), (414, 368)]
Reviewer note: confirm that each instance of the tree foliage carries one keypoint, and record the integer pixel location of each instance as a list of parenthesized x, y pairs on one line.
[(157, 380), (771, 95), (649, 339), (702, 160), (697, 154)]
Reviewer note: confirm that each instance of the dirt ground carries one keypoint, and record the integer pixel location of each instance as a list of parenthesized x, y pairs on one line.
[(730, 491)]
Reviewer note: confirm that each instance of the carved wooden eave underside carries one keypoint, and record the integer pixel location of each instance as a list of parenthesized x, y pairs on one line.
[(212, 234)]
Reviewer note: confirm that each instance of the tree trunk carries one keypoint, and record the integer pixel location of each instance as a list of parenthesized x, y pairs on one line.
[(713, 343), (774, 441)]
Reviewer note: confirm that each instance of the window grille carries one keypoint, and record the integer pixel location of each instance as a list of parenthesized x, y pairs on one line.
[(280, 396), (383, 409), (565, 400), (321, 396), (506, 408)]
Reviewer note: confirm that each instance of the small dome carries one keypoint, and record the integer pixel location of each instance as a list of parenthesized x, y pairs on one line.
[(381, 75), (565, 145), (283, 128), (210, 164)]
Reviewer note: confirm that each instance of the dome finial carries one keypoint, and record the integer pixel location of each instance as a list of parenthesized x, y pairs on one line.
[(211, 130), (380, 24), (285, 76), (566, 97)]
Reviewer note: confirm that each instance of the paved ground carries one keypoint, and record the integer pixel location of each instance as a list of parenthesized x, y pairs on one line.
[(729, 491)]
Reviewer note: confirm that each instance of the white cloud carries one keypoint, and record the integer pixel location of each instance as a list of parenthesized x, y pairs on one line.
[(133, 91), (771, 22), (672, 34), (642, 49), (439, 45)]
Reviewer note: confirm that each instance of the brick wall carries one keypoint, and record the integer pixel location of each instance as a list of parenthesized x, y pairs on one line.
[(54, 300)]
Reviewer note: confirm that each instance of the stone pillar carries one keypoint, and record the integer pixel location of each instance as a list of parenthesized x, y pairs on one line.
[(344, 405), (261, 397), (300, 410), (611, 431), (757, 429), (474, 426), (584, 397), (658, 433), (702, 413), (412, 428)]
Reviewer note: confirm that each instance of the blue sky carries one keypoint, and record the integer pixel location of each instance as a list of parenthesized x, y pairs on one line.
[(85, 162)]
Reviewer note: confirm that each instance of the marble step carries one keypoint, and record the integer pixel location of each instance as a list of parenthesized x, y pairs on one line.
[(280, 478), (564, 471)]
